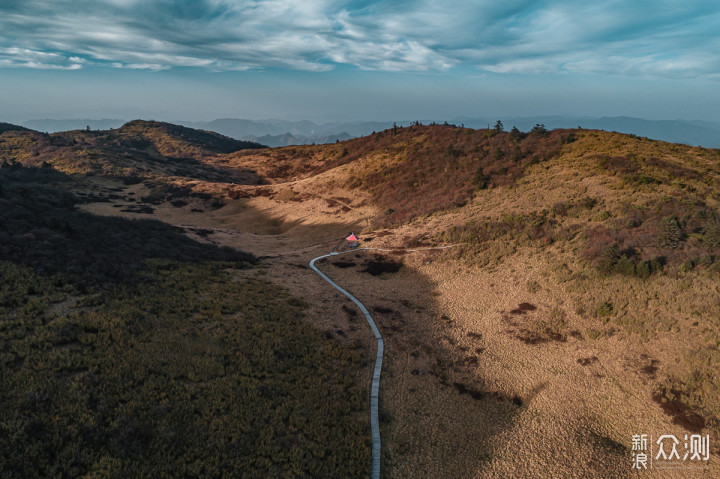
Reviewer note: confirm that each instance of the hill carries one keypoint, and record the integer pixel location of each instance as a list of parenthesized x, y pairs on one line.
[(290, 139), (52, 126), (130, 348), (169, 138), (278, 133), (10, 127), (693, 133), (137, 149), (578, 288)]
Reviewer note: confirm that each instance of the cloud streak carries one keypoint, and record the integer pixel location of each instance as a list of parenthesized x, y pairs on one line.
[(650, 38)]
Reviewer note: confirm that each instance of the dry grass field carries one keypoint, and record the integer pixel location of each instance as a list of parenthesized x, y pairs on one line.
[(579, 307)]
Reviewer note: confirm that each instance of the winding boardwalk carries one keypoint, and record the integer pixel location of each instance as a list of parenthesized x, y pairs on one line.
[(375, 388)]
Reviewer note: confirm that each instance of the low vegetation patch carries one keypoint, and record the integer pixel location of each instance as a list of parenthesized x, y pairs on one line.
[(130, 350), (672, 232), (440, 167), (41, 226), (379, 265), (189, 374)]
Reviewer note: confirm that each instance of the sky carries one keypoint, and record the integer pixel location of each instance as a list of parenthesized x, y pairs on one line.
[(327, 60)]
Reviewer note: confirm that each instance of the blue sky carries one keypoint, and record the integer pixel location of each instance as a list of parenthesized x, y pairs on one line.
[(332, 60)]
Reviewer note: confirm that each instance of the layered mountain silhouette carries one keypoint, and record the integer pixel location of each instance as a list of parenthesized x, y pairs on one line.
[(283, 132)]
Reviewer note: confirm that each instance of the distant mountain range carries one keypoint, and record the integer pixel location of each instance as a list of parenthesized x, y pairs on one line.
[(303, 132)]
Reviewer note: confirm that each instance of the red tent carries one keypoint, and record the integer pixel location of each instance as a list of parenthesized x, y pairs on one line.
[(352, 237)]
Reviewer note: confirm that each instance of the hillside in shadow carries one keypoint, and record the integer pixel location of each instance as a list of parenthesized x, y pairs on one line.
[(10, 127), (129, 349), (40, 226), (139, 148)]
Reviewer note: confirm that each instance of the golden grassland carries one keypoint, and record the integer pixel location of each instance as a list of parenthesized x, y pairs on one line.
[(579, 307)]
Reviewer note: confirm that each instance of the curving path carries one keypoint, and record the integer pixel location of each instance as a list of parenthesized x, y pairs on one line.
[(375, 387)]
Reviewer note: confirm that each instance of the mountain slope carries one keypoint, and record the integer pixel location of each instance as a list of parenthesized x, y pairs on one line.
[(137, 149), (679, 131), (172, 139), (580, 286), (10, 127)]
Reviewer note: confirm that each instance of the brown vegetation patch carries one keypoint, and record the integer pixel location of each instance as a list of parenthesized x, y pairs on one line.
[(523, 308), (650, 368), (350, 311), (463, 389), (344, 264), (537, 330), (479, 395), (383, 310), (379, 266), (533, 338), (672, 404), (143, 209), (470, 360), (440, 167), (674, 231), (587, 361), (674, 169)]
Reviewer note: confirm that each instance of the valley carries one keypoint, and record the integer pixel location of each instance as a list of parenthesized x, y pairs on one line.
[(578, 308)]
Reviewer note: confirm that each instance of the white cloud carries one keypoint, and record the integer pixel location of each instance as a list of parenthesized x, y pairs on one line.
[(663, 37)]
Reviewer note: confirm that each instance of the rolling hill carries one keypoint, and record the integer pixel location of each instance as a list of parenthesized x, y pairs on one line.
[(10, 127), (282, 132), (576, 307)]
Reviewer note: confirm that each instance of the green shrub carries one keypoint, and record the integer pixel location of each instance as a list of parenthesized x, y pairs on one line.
[(640, 179), (686, 266), (604, 309), (608, 258), (711, 235), (625, 266), (706, 260), (481, 180), (670, 234)]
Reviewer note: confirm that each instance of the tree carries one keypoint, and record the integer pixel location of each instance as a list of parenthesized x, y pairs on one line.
[(499, 126), (671, 234), (539, 129), (481, 180)]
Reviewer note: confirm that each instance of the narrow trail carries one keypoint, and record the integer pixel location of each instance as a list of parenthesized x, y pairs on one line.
[(375, 387)]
